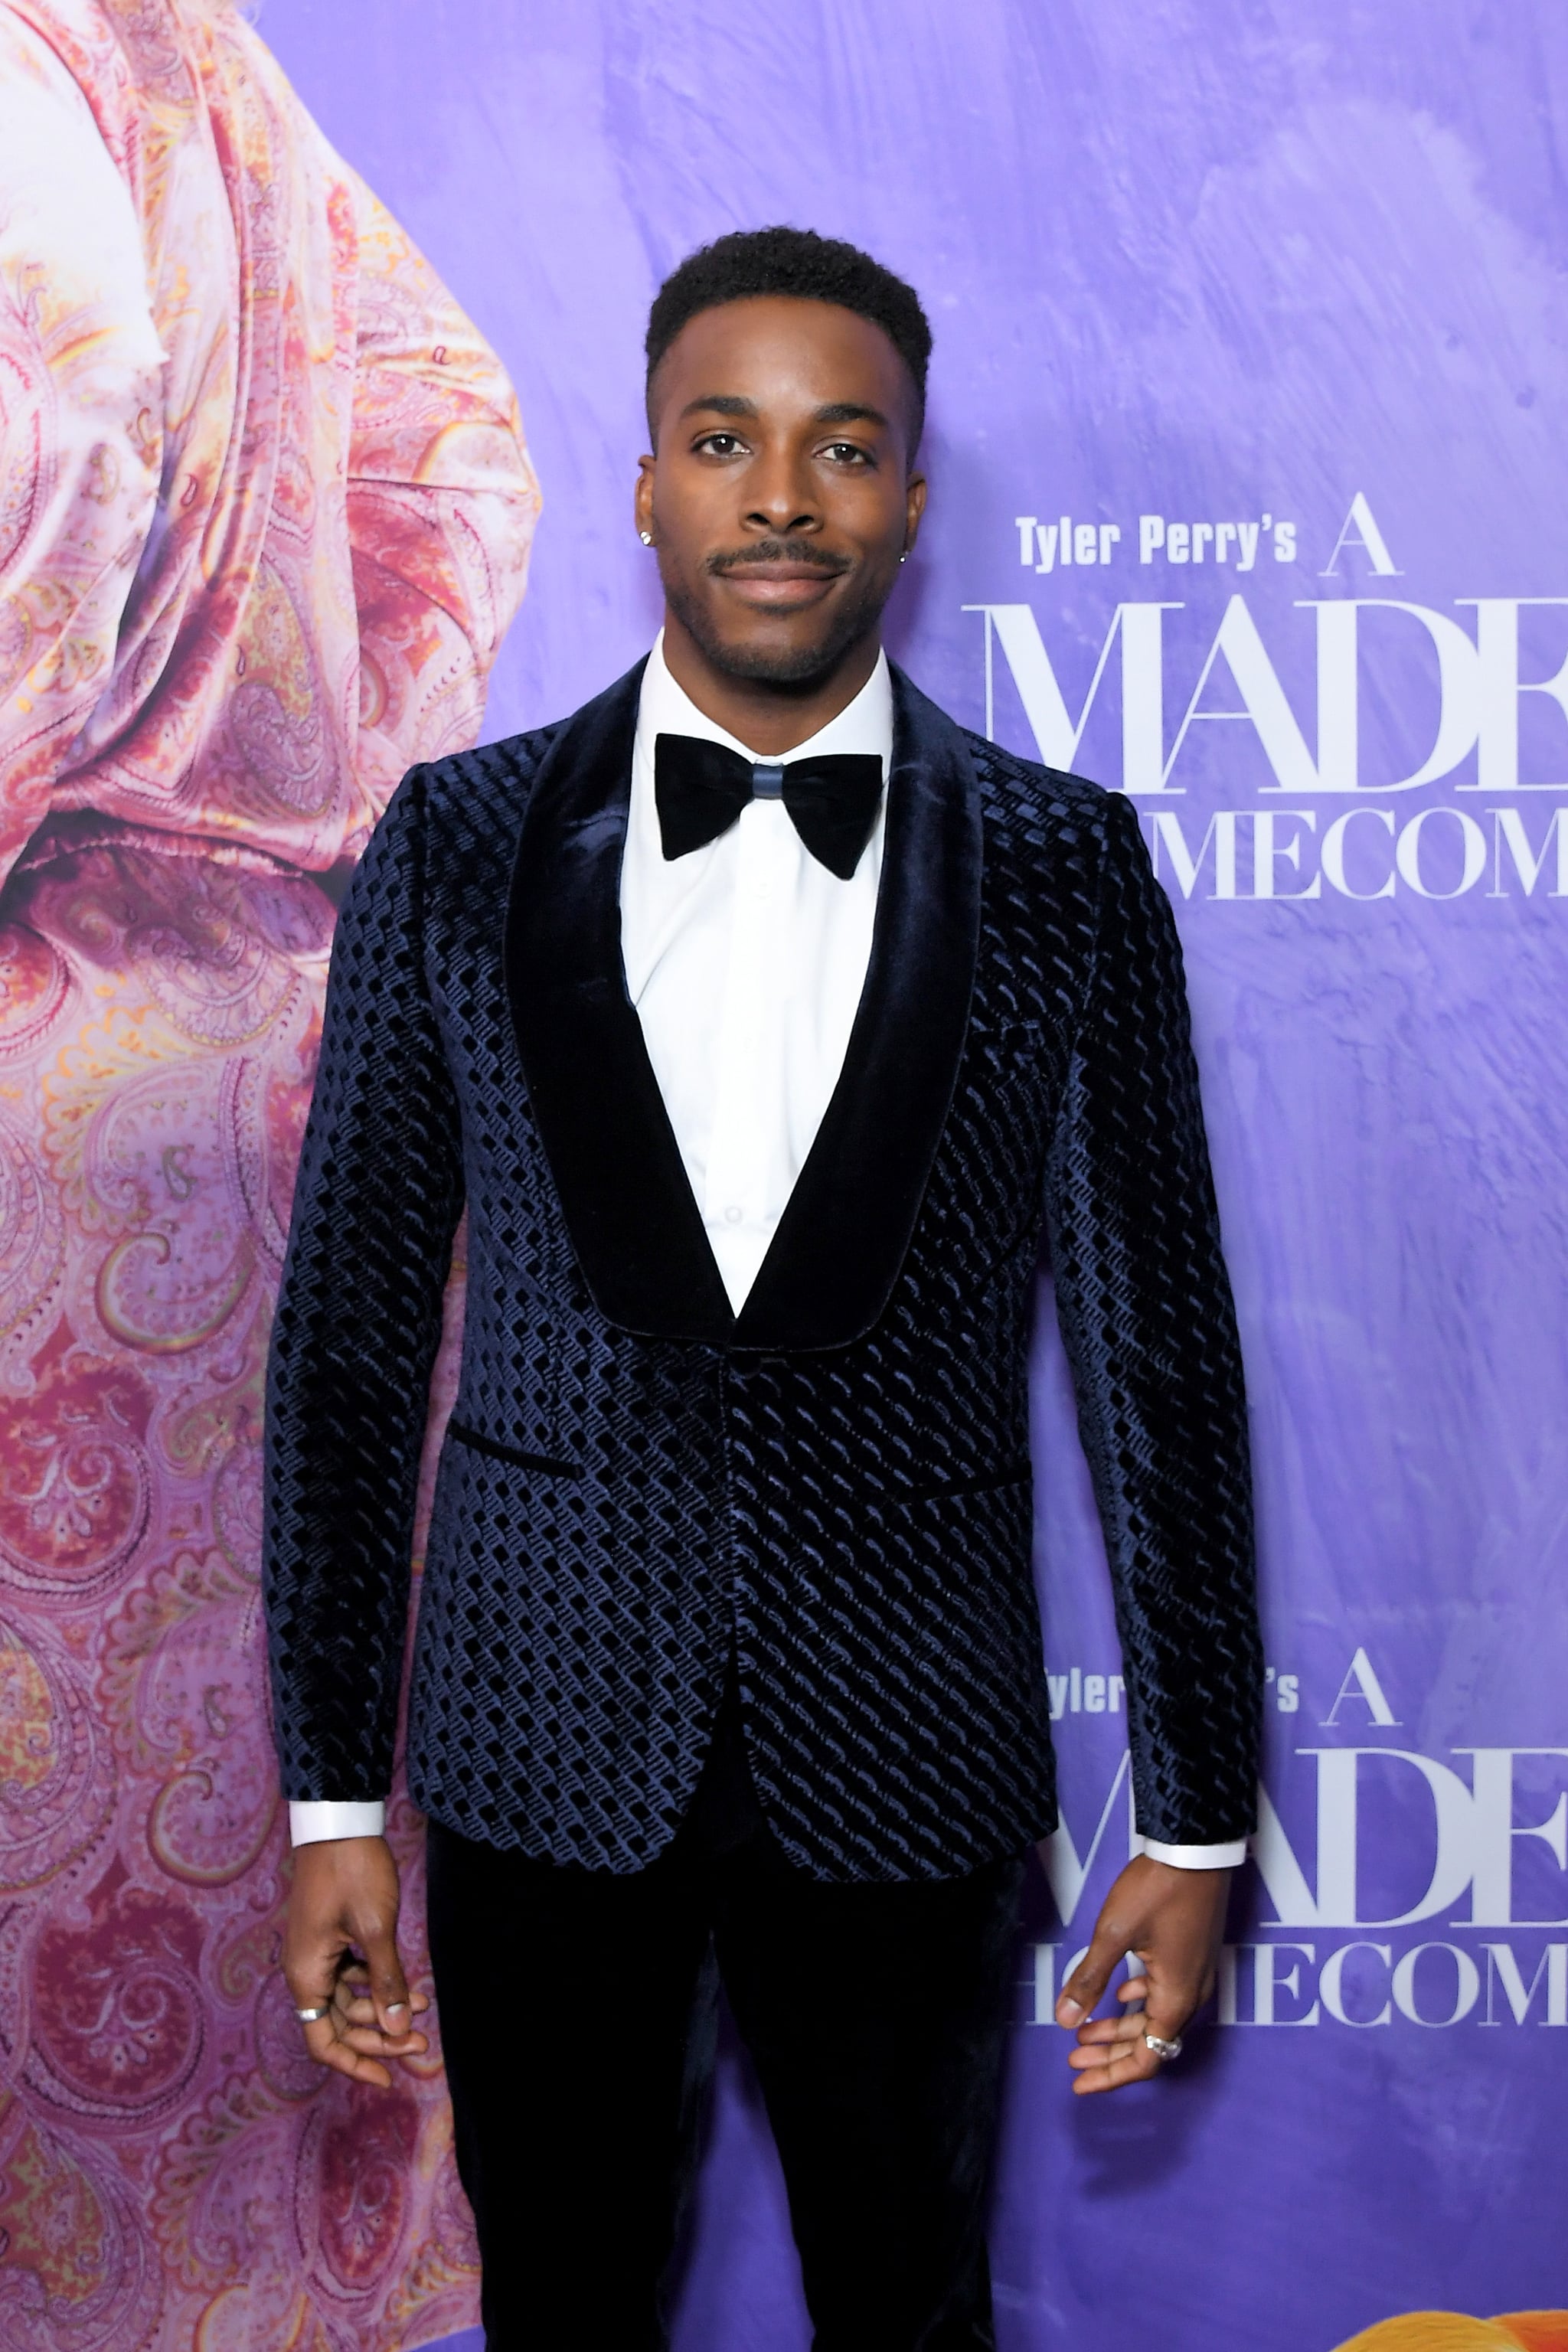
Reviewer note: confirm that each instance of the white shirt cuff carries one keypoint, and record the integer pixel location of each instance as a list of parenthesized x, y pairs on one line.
[(1229, 1856), (311, 1822)]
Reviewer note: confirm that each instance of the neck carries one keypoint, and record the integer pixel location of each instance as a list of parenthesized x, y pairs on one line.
[(766, 717)]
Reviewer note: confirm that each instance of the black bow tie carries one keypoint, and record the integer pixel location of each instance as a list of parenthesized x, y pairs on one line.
[(700, 789)]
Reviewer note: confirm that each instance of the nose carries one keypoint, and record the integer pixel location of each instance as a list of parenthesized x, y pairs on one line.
[(780, 495)]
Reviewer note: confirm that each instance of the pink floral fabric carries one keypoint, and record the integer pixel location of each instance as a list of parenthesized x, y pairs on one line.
[(265, 511), (265, 508)]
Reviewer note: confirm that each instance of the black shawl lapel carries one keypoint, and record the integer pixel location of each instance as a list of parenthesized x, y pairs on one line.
[(629, 1210), (622, 1188), (842, 1240)]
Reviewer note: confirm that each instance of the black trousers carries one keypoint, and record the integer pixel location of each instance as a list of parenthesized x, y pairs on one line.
[(577, 2013)]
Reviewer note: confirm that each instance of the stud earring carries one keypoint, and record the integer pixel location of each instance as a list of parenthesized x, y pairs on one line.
[(645, 536), (905, 557)]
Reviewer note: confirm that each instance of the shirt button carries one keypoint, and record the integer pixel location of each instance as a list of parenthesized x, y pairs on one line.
[(732, 1215)]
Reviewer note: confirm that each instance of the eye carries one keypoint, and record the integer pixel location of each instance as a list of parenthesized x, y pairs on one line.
[(846, 453), (721, 444)]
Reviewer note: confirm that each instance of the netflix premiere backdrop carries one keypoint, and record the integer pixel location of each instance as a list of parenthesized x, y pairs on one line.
[(1249, 495)]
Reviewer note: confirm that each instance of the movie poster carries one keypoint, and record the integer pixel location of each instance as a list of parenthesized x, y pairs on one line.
[(1246, 485)]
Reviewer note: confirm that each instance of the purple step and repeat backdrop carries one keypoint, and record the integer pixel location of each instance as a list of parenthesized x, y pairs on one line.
[(1248, 496), (1248, 491)]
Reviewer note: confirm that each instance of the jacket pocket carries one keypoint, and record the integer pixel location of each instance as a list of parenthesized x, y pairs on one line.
[(463, 1435)]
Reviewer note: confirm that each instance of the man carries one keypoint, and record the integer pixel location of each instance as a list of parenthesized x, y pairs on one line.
[(766, 1023)]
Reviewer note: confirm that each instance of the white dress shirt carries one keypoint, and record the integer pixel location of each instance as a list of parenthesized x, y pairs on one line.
[(745, 960)]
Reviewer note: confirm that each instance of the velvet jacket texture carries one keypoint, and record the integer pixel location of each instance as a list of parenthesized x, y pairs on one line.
[(833, 1487)]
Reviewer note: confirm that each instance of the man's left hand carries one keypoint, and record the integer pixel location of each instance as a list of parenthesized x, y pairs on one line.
[(1173, 1920)]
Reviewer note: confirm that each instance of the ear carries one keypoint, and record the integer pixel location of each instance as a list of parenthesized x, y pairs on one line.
[(914, 506), (642, 502)]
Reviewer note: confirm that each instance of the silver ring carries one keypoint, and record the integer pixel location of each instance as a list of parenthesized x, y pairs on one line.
[(312, 2016), (1163, 2048)]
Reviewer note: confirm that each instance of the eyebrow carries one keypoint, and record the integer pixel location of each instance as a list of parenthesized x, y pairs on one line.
[(835, 412), (723, 404), (848, 412)]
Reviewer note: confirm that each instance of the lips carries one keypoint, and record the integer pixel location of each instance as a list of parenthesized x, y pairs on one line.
[(782, 587)]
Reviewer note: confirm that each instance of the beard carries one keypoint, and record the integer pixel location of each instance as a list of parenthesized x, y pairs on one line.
[(847, 623)]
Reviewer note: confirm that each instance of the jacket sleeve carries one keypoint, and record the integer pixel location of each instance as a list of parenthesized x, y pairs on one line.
[(1145, 1310), (376, 1204)]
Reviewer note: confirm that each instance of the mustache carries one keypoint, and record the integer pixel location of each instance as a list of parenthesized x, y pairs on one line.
[(760, 553)]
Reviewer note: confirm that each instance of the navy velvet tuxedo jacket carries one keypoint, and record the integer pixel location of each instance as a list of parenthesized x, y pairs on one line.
[(834, 1488)]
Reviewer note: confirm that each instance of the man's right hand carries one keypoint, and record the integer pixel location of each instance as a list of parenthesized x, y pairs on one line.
[(343, 1901)]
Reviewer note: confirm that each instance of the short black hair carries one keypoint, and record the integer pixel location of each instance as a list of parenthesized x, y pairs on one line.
[(811, 268)]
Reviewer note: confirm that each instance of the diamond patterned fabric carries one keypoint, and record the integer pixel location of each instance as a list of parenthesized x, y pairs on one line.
[(612, 1511)]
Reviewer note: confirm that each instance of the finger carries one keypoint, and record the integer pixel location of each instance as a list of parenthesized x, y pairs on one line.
[(1087, 1981), (1110, 2063), (329, 2048), (1168, 2003), (315, 1989), (377, 1939), (353, 2003), (371, 2043), (1128, 2025), (363, 2002), (360, 2018), (351, 1990), (1111, 2068), (358, 2008)]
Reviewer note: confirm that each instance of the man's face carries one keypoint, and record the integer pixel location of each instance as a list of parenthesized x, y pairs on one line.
[(781, 497)]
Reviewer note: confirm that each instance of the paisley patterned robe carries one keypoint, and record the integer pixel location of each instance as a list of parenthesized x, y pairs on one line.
[(264, 514)]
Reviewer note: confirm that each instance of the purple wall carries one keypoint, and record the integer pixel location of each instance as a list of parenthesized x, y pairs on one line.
[(1229, 264)]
